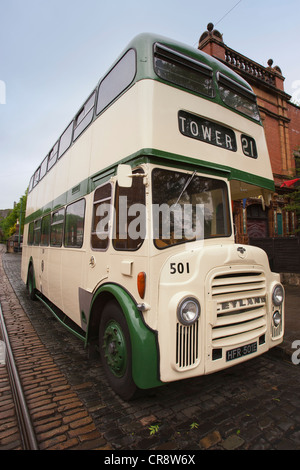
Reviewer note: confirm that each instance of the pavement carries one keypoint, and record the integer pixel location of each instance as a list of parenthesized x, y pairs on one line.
[(289, 349)]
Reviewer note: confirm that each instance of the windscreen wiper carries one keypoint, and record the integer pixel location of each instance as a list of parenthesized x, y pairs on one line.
[(185, 186)]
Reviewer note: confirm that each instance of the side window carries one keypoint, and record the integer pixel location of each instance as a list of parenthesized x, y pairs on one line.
[(84, 117), (57, 226), (65, 140), (36, 177), (30, 184), (52, 156), (43, 168), (130, 215), (45, 230), (117, 80), (74, 225), (30, 233), (37, 232), (101, 217)]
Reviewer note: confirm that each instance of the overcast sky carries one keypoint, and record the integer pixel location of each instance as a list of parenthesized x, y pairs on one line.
[(53, 52)]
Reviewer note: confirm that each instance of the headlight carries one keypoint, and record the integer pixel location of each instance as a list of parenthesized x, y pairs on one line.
[(276, 318), (188, 311), (277, 295)]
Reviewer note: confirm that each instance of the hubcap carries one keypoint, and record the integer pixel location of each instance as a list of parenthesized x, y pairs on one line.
[(115, 348)]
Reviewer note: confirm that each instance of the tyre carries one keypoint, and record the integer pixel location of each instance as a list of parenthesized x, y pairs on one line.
[(30, 284), (115, 350)]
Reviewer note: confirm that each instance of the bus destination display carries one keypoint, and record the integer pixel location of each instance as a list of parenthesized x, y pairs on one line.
[(210, 132)]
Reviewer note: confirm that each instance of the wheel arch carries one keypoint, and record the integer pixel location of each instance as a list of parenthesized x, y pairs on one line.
[(145, 351)]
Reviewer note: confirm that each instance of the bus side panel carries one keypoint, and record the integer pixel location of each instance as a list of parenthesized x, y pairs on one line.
[(55, 277), (72, 268)]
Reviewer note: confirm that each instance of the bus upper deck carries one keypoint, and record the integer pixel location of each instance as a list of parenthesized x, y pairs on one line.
[(158, 120)]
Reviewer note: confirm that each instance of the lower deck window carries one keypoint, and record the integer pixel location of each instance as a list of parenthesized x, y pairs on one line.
[(101, 217), (130, 215), (74, 224), (30, 233), (57, 227), (45, 230)]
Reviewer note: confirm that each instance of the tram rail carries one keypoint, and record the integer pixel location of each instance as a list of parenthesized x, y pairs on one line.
[(26, 430)]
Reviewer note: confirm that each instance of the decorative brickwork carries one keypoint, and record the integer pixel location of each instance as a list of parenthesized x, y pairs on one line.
[(281, 121)]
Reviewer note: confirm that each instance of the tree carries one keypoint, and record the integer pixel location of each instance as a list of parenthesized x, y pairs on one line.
[(8, 224)]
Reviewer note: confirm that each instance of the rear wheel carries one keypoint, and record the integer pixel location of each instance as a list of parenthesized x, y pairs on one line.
[(115, 350), (30, 283)]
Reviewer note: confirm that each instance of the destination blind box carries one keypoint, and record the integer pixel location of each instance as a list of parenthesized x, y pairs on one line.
[(198, 128)]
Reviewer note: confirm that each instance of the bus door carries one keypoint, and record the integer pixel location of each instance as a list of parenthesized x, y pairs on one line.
[(40, 262), (96, 262)]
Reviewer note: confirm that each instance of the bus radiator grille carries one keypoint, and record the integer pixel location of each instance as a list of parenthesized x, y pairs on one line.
[(187, 345), (241, 307)]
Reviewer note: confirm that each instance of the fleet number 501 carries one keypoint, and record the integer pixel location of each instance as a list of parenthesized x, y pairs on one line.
[(179, 268)]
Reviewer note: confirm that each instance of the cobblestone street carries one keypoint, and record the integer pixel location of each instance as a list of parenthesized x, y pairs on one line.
[(254, 405)]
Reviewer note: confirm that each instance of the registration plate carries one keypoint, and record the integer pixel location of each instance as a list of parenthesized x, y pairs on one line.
[(236, 353)]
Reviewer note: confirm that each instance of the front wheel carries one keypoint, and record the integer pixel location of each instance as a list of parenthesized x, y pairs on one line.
[(115, 350)]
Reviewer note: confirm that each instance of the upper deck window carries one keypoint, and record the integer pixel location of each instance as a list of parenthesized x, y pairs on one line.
[(183, 71), (238, 97), (44, 167), (52, 156), (30, 184), (36, 177), (117, 80), (65, 140), (84, 117)]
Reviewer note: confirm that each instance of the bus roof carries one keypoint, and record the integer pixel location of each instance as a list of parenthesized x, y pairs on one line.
[(143, 44)]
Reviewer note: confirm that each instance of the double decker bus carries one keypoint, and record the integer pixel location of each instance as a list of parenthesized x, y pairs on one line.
[(129, 236)]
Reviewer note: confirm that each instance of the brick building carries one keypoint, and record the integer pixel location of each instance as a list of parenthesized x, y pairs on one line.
[(281, 121)]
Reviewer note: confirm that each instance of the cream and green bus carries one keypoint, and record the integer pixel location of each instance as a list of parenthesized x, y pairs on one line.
[(129, 236)]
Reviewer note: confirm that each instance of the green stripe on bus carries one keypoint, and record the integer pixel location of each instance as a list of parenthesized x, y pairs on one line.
[(157, 157)]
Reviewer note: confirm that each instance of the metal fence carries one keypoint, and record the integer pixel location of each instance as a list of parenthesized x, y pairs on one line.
[(283, 253)]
